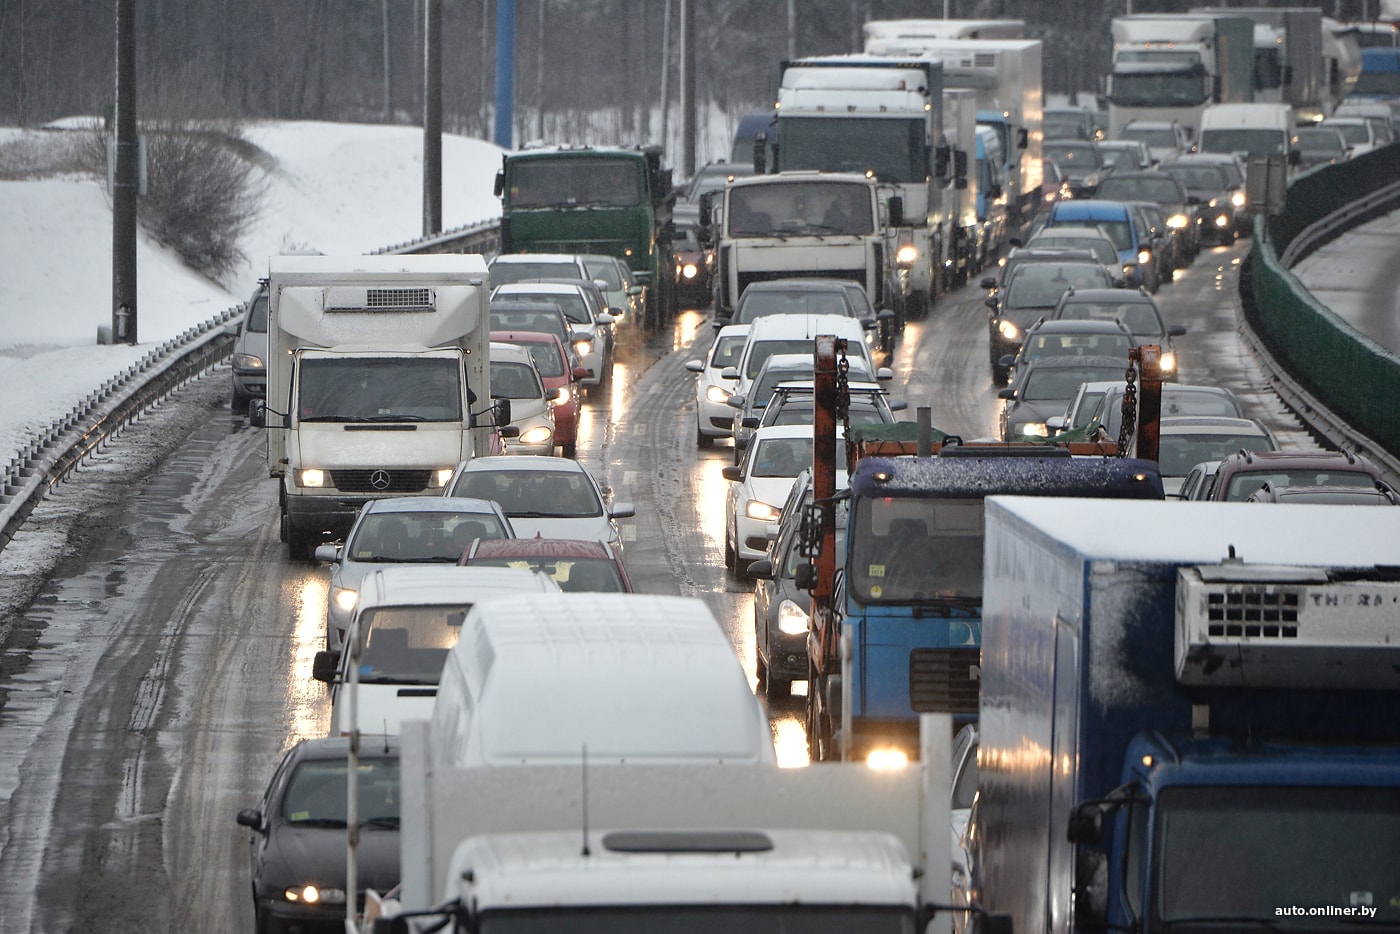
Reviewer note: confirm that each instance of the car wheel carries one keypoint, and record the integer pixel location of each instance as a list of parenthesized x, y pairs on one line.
[(570, 449), (240, 403), (760, 673), (1001, 375), (779, 688), (730, 557), (703, 440)]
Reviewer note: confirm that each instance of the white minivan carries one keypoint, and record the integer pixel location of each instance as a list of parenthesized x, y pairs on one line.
[(406, 621), (549, 679)]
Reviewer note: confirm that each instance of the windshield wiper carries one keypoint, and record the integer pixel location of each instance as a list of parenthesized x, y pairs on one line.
[(319, 822), (391, 823)]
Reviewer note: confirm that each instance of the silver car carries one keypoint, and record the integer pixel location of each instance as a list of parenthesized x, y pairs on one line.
[(402, 530), (250, 353)]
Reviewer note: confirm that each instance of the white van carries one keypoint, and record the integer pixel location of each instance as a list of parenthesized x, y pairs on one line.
[(547, 679), (406, 621), (797, 333), (1248, 129)]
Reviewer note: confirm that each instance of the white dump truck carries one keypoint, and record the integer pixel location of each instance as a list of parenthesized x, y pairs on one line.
[(377, 383)]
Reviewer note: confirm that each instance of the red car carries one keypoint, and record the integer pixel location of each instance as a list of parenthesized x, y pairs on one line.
[(560, 381), (575, 564)]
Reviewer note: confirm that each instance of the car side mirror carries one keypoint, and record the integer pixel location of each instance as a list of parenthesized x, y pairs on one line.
[(731, 472), (762, 569), (737, 401), (251, 818), (325, 665), (581, 372), (329, 553), (1176, 330), (1007, 393), (988, 282), (605, 318), (990, 302), (695, 366), (622, 510)]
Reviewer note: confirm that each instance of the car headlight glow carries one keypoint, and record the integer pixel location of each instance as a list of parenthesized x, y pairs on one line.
[(1222, 220), (438, 478), (792, 619), (1214, 203), (1237, 199), (540, 434), (314, 895), (345, 598), (1035, 430), (1178, 222), (1144, 257), (690, 271), (906, 254), (561, 395), (717, 394), (1009, 330), (247, 361), (311, 477), (583, 347), (763, 512)]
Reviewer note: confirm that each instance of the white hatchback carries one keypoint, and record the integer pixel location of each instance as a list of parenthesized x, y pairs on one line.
[(713, 416), (515, 377)]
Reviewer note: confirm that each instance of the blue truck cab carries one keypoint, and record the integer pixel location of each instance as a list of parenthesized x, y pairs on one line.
[(910, 594), (1187, 717)]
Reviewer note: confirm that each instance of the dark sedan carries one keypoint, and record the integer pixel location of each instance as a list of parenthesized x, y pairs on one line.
[(299, 834)]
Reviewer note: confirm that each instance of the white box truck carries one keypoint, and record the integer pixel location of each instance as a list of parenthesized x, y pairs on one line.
[(378, 382), (597, 792)]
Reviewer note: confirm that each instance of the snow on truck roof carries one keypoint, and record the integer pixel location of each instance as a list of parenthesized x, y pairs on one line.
[(1204, 532)]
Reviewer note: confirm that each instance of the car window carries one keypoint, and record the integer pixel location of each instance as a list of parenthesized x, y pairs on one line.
[(781, 457), (606, 270), (504, 273), (547, 358), (317, 791), (419, 535), (1178, 453), (757, 304), (257, 315), (533, 493), (727, 350), (514, 381), (1061, 382)]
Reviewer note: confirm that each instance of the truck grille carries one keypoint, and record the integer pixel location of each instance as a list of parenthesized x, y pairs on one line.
[(945, 680), (381, 481)]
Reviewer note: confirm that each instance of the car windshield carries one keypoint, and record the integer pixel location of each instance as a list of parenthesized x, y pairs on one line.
[(1051, 383), (573, 575), (1075, 345), (1242, 484), (533, 493), (419, 536), (727, 350), (1319, 140), (317, 793), (1074, 158), (802, 412), (1042, 284), (1200, 177), (504, 318), (573, 304), (1165, 190), (1152, 137), (548, 360), (758, 303), (1175, 401), (781, 457), (606, 270), (506, 273), (1178, 453), (257, 315), (561, 182), (514, 381), (1138, 317), (1118, 230), (1102, 248), (407, 644)]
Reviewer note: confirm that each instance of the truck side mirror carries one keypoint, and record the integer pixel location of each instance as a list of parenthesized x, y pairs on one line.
[(960, 166), (257, 413), (502, 412), (1022, 138), (324, 665), (805, 577), (942, 160), (500, 185), (1086, 824), (1090, 889), (1295, 157), (896, 211), (760, 153)]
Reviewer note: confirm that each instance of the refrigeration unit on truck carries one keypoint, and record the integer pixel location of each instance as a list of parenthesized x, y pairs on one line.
[(1188, 717), (1006, 75), (800, 224), (584, 199), (377, 383), (1168, 66), (613, 815), (884, 118)]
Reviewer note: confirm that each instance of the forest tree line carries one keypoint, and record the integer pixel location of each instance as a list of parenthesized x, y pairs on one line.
[(361, 60)]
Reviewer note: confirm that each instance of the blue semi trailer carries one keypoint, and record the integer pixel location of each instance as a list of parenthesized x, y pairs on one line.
[(1190, 717)]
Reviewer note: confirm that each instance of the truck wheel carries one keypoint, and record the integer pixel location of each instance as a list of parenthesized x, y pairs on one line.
[(778, 688), (917, 306), (239, 406), (1001, 375)]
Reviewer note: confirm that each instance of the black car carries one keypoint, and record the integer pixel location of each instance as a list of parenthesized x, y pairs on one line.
[(1219, 200), (299, 834), (1166, 190), (693, 266), (1081, 164), (1045, 387)]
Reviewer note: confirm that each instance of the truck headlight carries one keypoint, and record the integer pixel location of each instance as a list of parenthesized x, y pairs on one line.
[(792, 619), (314, 895), (345, 598), (311, 477), (247, 361), (437, 480), (690, 271), (907, 254), (758, 509), (537, 435), (887, 759)]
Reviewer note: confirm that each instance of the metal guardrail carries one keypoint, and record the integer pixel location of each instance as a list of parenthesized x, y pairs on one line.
[(68, 441)]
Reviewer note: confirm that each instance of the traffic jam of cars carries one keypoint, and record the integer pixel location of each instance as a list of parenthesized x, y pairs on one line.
[(430, 583)]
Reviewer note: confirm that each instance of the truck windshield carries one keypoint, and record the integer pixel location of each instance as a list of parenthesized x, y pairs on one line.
[(574, 182), (1322, 854), (1159, 89), (800, 209), (367, 389), (700, 919), (917, 550), (1377, 84), (893, 148)]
